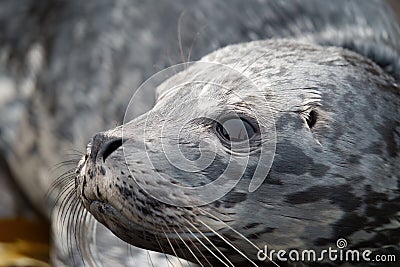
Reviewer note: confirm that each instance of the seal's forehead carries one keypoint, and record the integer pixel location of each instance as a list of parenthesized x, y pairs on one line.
[(206, 83), (289, 75), (210, 88)]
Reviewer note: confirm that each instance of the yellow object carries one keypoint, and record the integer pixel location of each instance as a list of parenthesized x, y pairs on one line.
[(24, 243)]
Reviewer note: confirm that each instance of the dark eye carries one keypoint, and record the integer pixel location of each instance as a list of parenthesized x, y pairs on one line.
[(236, 130)]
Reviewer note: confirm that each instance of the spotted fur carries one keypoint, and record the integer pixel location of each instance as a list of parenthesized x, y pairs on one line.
[(335, 179)]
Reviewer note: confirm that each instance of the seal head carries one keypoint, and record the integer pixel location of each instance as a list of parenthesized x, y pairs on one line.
[(334, 173)]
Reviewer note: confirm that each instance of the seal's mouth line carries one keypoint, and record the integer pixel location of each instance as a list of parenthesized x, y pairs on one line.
[(97, 205)]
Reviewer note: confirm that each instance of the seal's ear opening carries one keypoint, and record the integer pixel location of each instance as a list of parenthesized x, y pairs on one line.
[(311, 119)]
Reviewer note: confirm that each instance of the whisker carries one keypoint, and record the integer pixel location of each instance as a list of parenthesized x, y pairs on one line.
[(194, 41), (183, 241), (176, 242), (78, 233), (161, 247), (65, 185), (83, 245), (238, 233), (64, 181), (69, 219), (60, 178), (67, 203), (129, 248), (73, 224), (79, 152), (197, 248), (206, 247), (216, 218), (149, 258), (68, 184), (87, 234), (228, 242), (67, 175), (65, 162), (209, 241), (180, 38), (68, 210), (93, 229), (172, 247)]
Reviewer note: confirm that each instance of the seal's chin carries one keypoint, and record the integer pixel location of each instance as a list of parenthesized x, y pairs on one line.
[(107, 214), (133, 233), (121, 226)]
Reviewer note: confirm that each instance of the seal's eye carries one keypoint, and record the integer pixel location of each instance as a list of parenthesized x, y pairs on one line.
[(236, 130)]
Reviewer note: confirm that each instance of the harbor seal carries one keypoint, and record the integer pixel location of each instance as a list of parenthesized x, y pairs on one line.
[(68, 68), (334, 173)]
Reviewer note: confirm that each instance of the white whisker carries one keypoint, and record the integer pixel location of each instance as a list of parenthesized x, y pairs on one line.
[(228, 242), (211, 245), (183, 241), (197, 249), (149, 258), (238, 233), (161, 247), (172, 247)]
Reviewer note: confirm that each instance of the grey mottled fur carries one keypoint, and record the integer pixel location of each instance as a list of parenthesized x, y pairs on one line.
[(321, 179)]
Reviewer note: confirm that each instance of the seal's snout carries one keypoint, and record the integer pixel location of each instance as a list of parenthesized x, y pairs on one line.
[(93, 166), (103, 146)]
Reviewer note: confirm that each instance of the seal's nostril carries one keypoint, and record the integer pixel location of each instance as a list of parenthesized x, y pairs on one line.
[(109, 147)]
